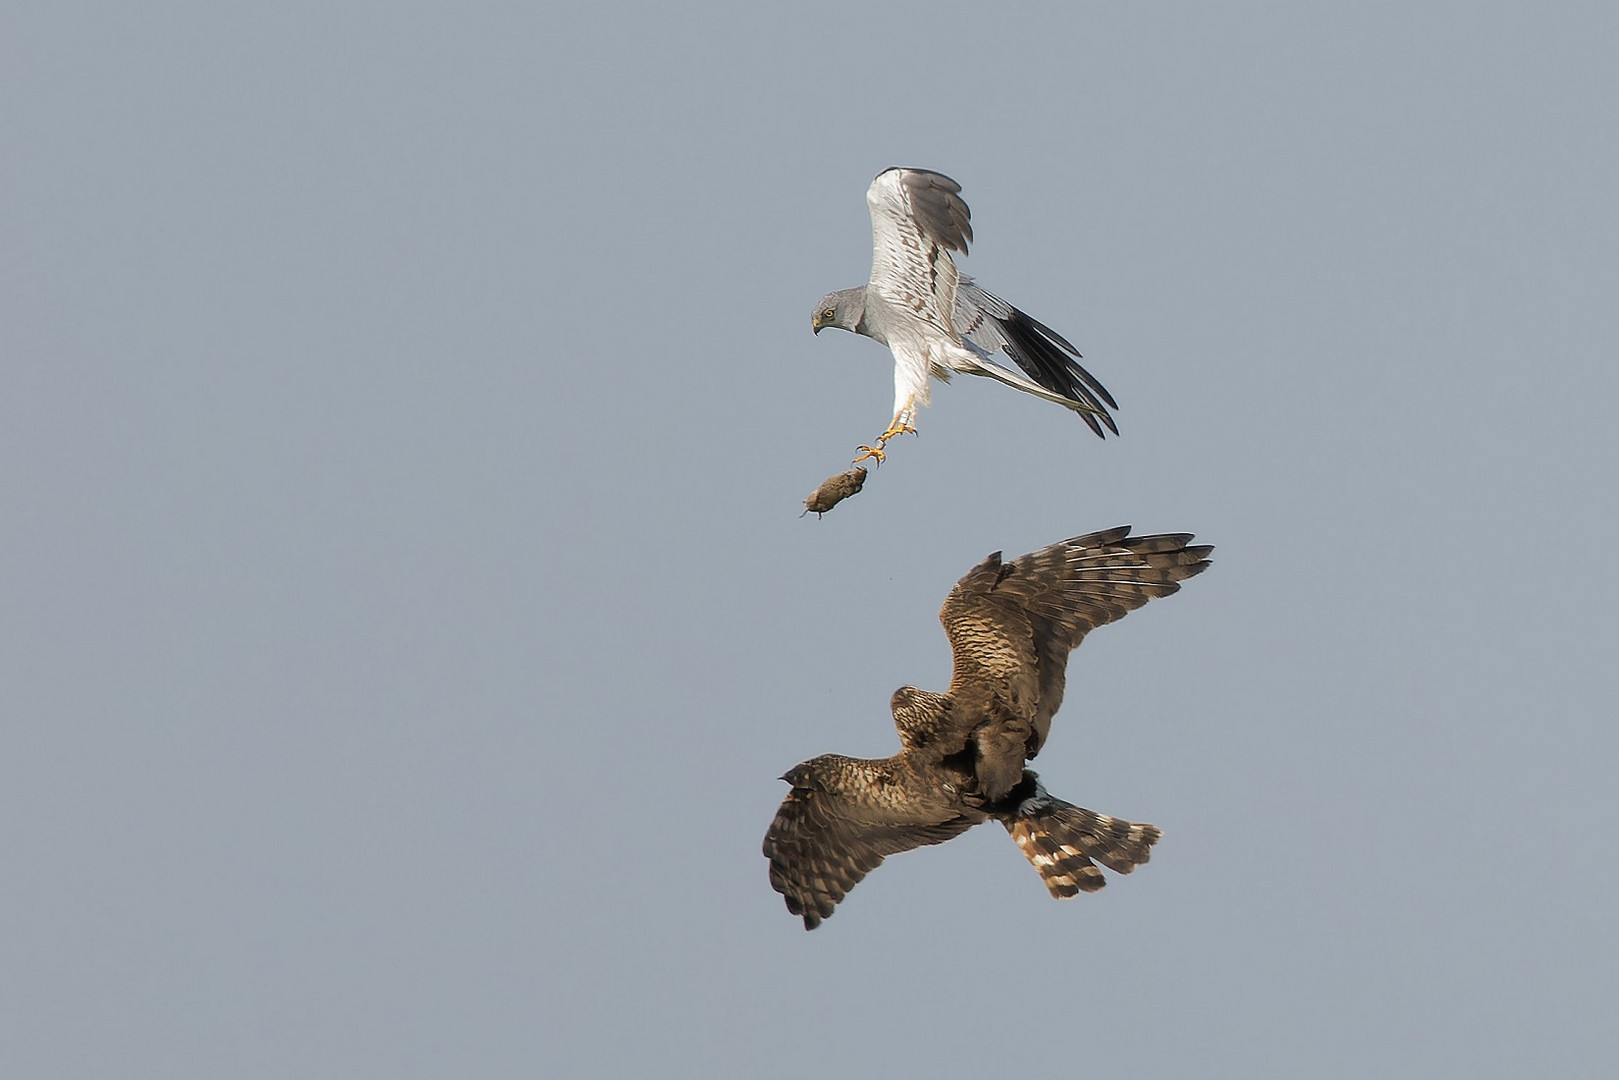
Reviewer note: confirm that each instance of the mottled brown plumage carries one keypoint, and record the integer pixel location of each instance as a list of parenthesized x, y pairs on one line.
[(1011, 627)]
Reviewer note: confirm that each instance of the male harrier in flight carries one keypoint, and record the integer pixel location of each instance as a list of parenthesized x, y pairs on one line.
[(1011, 627), (937, 321)]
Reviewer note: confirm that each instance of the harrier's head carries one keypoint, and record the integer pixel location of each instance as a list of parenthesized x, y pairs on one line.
[(843, 309), (919, 715)]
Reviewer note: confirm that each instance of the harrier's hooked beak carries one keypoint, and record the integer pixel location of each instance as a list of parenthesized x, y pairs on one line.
[(817, 324)]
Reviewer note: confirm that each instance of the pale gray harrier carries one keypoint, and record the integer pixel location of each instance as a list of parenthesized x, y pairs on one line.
[(937, 321), (1011, 627)]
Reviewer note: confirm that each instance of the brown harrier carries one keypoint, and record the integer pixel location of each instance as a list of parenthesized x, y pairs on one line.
[(1011, 627)]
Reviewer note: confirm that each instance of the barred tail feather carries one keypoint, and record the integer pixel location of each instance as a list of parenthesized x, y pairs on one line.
[(1061, 840)]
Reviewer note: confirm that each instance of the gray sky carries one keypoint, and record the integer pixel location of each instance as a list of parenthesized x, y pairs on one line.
[(407, 614)]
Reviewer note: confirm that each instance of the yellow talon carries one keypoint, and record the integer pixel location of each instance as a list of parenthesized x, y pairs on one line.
[(894, 429), (871, 452)]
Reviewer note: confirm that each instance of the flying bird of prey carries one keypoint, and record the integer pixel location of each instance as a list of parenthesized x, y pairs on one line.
[(962, 753), (937, 321)]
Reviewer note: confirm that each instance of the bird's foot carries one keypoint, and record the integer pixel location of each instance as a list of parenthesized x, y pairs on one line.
[(898, 427), (871, 452)]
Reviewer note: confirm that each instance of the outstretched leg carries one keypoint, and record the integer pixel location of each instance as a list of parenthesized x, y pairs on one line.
[(900, 425)]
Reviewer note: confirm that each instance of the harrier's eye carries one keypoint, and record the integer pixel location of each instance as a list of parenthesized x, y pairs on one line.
[(828, 313)]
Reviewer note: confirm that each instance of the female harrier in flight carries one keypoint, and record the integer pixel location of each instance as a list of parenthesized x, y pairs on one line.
[(1011, 627), (937, 321)]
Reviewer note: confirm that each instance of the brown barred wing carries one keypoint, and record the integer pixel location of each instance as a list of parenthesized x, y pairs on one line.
[(841, 819), (1071, 588), (1012, 625), (994, 692)]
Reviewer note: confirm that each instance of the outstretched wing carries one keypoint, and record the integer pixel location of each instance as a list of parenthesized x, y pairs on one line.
[(988, 325), (995, 676), (1012, 625), (832, 830), (917, 219)]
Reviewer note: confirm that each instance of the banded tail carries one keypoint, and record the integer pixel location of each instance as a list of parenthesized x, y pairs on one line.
[(1061, 840)]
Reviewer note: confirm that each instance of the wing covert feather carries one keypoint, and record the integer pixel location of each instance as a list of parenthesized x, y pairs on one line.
[(917, 219)]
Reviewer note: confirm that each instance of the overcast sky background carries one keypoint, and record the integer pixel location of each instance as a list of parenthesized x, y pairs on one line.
[(407, 611)]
